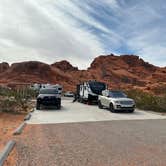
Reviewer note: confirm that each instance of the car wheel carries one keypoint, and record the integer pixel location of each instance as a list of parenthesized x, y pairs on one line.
[(100, 105), (111, 108), (81, 100), (58, 107), (59, 104), (38, 106), (131, 111)]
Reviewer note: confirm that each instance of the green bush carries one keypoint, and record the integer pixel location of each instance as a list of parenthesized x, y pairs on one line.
[(16, 100), (148, 101)]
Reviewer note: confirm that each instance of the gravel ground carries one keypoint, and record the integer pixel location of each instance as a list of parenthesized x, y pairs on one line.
[(109, 143)]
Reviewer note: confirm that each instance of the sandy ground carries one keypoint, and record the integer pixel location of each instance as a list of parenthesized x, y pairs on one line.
[(8, 123)]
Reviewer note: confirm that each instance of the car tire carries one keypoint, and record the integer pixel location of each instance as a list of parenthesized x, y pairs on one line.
[(81, 100), (38, 106), (78, 99), (100, 105), (59, 104), (131, 111), (59, 107), (111, 108)]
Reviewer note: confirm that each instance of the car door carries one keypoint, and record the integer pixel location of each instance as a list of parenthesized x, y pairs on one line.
[(101, 98), (104, 102), (108, 101)]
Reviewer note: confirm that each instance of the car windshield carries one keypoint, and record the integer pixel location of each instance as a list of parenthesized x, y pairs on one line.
[(48, 91), (117, 94)]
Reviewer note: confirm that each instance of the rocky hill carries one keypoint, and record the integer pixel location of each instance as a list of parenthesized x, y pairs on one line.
[(128, 71), (3, 67), (125, 71), (64, 66)]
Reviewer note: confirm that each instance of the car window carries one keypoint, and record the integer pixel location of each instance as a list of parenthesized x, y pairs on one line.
[(117, 94), (48, 91)]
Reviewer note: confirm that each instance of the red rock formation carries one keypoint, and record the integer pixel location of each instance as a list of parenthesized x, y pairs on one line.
[(31, 72), (64, 66), (3, 67), (126, 71)]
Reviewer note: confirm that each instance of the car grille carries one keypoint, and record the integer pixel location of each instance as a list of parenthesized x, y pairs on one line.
[(49, 98), (126, 102)]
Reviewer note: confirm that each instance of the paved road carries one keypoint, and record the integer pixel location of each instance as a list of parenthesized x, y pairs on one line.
[(109, 143), (77, 112)]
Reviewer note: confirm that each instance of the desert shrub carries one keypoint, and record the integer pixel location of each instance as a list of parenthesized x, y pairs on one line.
[(7, 105), (161, 89), (16, 100), (147, 101), (162, 103)]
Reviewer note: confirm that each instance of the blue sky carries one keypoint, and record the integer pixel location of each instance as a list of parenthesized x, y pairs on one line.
[(80, 30)]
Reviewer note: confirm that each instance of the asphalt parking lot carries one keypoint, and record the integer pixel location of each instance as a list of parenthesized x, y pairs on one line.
[(78, 112)]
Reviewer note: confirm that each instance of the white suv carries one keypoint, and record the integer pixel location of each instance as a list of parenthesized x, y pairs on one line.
[(116, 101)]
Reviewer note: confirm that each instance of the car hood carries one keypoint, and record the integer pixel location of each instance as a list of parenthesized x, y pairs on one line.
[(122, 99), (47, 95)]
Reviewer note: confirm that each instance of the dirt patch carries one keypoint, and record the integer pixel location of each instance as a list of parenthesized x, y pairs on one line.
[(11, 160), (8, 123)]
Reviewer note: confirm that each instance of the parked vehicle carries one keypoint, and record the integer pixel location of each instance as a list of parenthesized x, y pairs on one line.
[(48, 97), (69, 94), (116, 101), (56, 86), (89, 91), (38, 86)]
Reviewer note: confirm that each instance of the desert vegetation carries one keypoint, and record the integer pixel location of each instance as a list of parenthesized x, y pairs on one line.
[(148, 101), (16, 100)]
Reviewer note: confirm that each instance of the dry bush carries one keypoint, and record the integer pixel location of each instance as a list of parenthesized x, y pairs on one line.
[(147, 101), (16, 100)]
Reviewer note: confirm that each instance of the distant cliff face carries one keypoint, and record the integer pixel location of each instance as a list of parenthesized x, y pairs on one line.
[(64, 66), (126, 71), (3, 67)]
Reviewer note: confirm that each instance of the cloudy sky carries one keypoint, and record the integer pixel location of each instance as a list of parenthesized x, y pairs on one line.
[(79, 30)]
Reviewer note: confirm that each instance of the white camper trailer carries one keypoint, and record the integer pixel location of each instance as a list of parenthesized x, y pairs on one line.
[(90, 90)]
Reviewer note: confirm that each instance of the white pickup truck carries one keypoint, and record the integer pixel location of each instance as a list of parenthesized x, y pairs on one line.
[(116, 101)]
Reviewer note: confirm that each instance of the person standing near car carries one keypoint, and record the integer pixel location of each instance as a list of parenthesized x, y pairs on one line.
[(75, 97)]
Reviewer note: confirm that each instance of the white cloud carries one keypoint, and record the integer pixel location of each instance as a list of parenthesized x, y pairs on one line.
[(78, 31), (36, 30), (145, 32)]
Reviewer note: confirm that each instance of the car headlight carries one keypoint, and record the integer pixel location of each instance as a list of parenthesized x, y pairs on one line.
[(133, 102), (117, 102)]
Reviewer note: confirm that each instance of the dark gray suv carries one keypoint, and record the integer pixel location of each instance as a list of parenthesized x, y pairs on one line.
[(48, 97)]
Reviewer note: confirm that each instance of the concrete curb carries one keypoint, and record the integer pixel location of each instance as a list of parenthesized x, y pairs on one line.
[(19, 129), (153, 112), (27, 117), (8, 148)]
